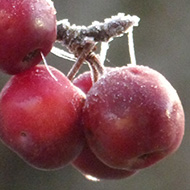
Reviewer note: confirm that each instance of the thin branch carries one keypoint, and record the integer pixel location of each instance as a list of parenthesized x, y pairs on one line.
[(84, 53)]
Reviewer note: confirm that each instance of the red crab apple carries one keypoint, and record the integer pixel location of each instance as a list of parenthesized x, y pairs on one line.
[(133, 118), (87, 163), (92, 168), (84, 81), (40, 117), (27, 27)]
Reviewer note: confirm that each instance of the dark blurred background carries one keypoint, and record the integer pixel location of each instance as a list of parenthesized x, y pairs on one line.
[(162, 41)]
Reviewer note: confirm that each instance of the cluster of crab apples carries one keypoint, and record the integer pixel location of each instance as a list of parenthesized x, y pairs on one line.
[(128, 120)]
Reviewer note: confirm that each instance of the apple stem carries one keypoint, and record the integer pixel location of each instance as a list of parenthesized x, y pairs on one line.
[(131, 47), (94, 72), (97, 67), (47, 67), (89, 45)]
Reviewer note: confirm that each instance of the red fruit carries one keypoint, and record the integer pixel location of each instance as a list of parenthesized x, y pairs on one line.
[(27, 27), (84, 81), (92, 168), (133, 118), (40, 118), (87, 163)]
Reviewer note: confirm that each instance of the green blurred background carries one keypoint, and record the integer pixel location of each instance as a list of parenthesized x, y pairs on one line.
[(162, 41)]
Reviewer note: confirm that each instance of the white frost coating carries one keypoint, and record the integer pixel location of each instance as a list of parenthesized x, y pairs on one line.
[(47, 67), (63, 54), (51, 3), (131, 47), (136, 20), (121, 16), (65, 22), (90, 39), (103, 52), (96, 23)]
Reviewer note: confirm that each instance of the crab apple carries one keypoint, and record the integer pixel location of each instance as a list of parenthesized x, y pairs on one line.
[(133, 118), (92, 168), (27, 28), (87, 163), (84, 80), (40, 117)]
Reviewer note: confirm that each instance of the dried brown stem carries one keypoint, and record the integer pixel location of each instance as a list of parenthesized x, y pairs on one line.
[(82, 57), (94, 72), (95, 62)]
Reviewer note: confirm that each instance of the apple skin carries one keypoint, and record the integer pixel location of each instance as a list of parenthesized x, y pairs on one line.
[(84, 81), (91, 167), (40, 118), (27, 28), (133, 118), (87, 163)]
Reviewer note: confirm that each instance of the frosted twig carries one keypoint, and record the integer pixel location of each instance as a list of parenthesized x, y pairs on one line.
[(74, 37), (81, 41)]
